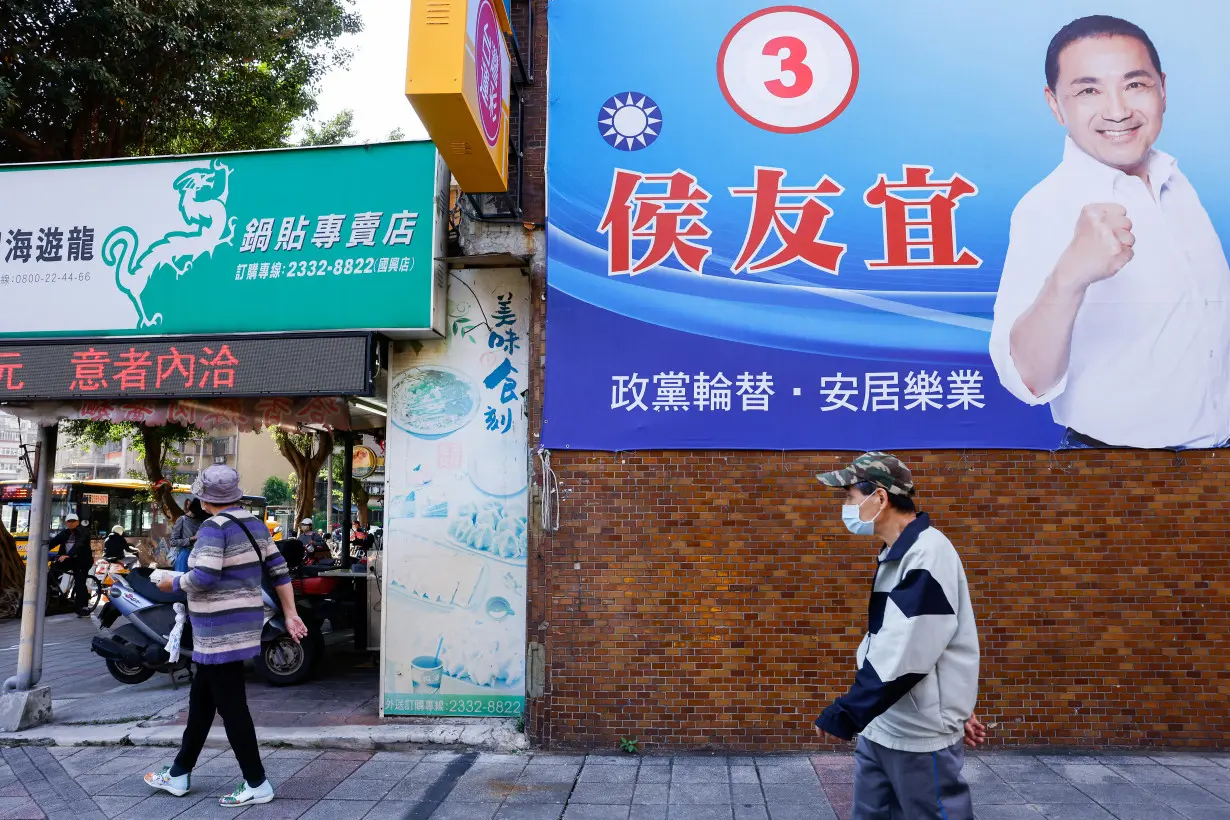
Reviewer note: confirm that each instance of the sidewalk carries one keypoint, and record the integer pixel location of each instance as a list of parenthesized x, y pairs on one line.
[(96, 783), (338, 707)]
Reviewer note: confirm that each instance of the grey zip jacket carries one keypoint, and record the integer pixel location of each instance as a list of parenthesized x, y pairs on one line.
[(917, 678)]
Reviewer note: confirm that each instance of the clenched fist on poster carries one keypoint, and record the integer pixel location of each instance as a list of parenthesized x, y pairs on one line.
[(1101, 246)]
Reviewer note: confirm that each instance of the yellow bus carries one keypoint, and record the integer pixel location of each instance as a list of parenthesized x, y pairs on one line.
[(101, 504)]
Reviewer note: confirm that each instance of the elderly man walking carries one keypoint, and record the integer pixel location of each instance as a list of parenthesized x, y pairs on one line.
[(912, 701), (233, 549)]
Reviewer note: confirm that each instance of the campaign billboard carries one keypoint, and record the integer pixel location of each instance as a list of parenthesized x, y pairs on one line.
[(897, 225), (309, 239)]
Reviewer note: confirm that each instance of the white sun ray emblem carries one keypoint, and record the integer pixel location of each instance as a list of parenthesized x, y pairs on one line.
[(630, 121)]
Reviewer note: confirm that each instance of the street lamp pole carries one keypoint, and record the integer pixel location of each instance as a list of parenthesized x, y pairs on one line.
[(22, 705)]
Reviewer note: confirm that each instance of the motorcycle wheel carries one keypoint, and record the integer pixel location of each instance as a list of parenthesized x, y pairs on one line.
[(282, 662), (126, 673)]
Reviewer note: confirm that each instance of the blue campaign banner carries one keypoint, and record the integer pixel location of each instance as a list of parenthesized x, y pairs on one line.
[(852, 225)]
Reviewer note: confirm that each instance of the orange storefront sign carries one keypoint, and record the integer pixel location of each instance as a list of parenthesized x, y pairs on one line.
[(458, 80)]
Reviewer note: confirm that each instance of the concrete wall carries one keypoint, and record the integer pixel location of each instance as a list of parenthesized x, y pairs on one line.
[(258, 460)]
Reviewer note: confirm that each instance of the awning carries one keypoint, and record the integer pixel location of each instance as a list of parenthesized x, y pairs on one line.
[(331, 413)]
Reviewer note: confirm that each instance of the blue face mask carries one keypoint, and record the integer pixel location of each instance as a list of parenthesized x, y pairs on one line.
[(856, 525)]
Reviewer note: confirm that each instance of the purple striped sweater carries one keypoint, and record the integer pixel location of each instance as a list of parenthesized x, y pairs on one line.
[(223, 583)]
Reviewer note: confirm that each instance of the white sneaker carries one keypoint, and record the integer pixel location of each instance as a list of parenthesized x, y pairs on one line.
[(177, 786), (245, 795)]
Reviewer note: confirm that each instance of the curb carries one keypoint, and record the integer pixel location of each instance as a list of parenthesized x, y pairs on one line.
[(488, 735)]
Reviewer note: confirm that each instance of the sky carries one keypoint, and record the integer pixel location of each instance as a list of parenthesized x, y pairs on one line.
[(374, 84)]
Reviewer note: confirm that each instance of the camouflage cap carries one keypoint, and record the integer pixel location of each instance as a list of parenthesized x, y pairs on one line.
[(880, 469)]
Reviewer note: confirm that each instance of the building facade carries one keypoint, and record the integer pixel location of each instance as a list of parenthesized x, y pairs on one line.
[(713, 599)]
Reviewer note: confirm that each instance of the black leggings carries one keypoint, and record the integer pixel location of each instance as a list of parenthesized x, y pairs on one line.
[(219, 688)]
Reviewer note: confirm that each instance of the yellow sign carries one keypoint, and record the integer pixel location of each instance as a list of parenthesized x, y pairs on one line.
[(458, 80)]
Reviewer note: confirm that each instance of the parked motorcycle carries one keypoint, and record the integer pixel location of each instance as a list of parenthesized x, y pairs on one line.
[(135, 650)]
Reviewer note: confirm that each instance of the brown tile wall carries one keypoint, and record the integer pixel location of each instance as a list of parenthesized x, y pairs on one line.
[(718, 600), (713, 599)]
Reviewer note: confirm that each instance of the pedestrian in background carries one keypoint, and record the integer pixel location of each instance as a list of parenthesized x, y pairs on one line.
[(912, 701), (76, 556), (115, 547), (233, 550), (308, 536), (183, 534)]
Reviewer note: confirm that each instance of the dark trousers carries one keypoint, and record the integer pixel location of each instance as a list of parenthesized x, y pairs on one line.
[(893, 785), (219, 688), (81, 595)]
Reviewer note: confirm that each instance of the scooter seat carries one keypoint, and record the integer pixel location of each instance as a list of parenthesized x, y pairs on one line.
[(148, 590)]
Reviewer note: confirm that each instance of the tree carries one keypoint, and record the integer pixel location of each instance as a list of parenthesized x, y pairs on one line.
[(333, 131), (12, 575), (92, 79), (155, 445), (306, 453), (396, 135), (277, 492)]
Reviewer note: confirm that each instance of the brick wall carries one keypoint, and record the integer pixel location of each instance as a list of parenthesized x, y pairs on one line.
[(718, 600), (713, 599), (535, 148)]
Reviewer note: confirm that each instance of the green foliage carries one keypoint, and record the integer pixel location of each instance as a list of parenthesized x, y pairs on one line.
[(87, 433), (277, 492), (110, 78), (160, 464), (396, 135), (629, 745), (333, 131)]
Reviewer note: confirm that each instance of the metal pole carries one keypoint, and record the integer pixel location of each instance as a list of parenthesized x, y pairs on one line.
[(34, 596), (347, 471), (329, 496)]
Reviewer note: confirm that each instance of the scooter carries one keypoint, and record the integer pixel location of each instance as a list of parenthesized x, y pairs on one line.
[(135, 650)]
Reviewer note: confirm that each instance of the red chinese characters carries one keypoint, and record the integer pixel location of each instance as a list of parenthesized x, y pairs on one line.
[(669, 217), (928, 237), (91, 370), (273, 411), (668, 212), (800, 242), (223, 364), (176, 363), (10, 363), (131, 369)]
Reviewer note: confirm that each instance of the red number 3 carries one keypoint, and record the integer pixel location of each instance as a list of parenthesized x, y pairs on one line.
[(796, 53)]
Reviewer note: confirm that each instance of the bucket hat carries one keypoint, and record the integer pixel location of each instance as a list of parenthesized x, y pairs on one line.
[(217, 484)]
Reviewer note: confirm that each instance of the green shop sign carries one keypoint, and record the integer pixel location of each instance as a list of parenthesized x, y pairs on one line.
[(308, 239)]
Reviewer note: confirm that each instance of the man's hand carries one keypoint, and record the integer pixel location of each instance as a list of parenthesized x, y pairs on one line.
[(61, 559), (296, 627), (167, 585), (1101, 245), (975, 732)]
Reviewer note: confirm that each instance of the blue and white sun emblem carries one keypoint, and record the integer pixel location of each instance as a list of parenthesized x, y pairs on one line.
[(630, 121)]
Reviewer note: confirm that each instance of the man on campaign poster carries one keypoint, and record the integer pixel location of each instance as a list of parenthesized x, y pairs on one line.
[(1112, 306)]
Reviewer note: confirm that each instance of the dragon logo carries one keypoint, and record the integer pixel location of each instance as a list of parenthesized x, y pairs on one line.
[(202, 204)]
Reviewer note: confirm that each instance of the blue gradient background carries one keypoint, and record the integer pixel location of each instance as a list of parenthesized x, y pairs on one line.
[(954, 85)]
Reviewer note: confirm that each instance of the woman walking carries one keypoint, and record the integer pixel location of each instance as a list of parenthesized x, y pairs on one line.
[(233, 549), (183, 534)]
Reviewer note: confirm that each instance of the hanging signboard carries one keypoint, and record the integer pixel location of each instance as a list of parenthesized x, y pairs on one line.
[(188, 367), (864, 226), (312, 239), (458, 78), (456, 509)]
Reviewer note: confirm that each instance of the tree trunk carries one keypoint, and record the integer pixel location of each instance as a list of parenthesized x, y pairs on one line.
[(161, 488), (358, 494), (307, 467), (12, 575)]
